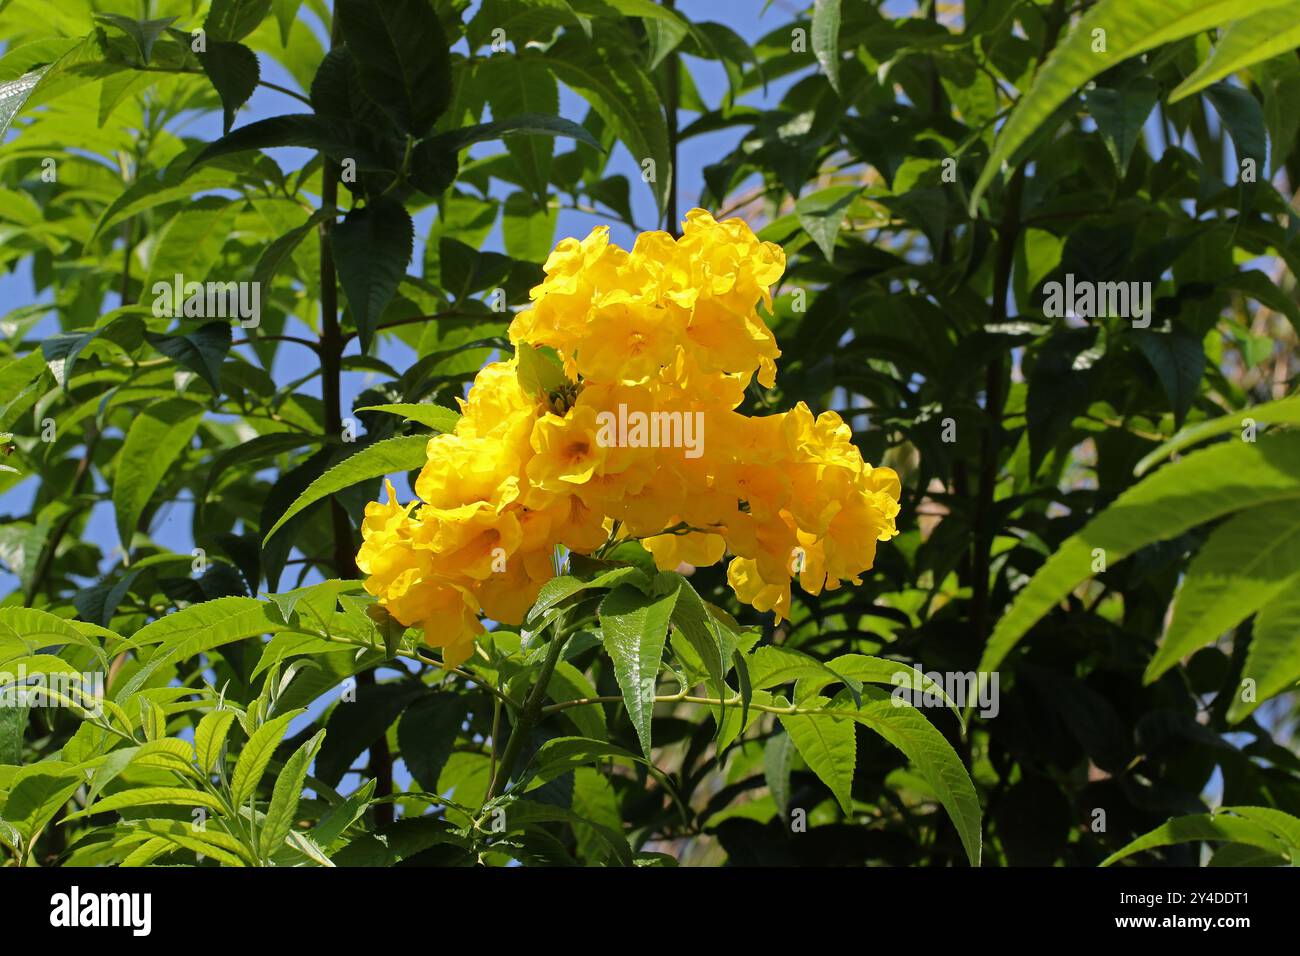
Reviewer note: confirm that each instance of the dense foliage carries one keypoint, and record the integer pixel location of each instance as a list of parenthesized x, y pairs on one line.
[(1040, 257)]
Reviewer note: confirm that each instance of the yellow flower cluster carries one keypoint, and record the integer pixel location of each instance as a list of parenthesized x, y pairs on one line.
[(639, 435)]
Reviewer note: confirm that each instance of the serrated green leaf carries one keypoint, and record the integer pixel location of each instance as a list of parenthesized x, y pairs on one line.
[(828, 745), (373, 461), (1248, 41), (1247, 561), (372, 246), (1201, 487), (210, 736), (1127, 28), (1199, 827), (156, 438), (255, 756), (284, 798), (634, 629), (437, 417)]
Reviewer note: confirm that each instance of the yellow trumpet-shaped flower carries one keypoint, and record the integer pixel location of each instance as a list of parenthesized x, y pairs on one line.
[(624, 419)]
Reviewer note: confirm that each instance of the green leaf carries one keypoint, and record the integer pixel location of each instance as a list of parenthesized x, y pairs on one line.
[(539, 371), (775, 664), (1247, 561), (569, 683), (13, 96), (778, 755), (1129, 27), (1248, 41), (284, 798), (1286, 411), (929, 751), (333, 823), (697, 626), (61, 351), (822, 213), (209, 841), (382, 458), (561, 588), (255, 756), (293, 129), (36, 793), (1201, 487), (154, 442), (1273, 658), (1179, 361), (372, 246), (201, 351), (149, 797), (278, 253), (210, 736), (828, 745), (874, 670), (525, 124), (515, 86), (286, 14), (1243, 118), (144, 33), (426, 734), (624, 97), (826, 40), (234, 72), (235, 19), (634, 628), (1195, 828), (402, 58), (527, 228), (1282, 825), (355, 725), (437, 417), (13, 726), (1120, 114)]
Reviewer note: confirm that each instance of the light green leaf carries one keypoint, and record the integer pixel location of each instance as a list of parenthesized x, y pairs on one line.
[(1273, 659), (284, 798), (828, 745), (826, 40), (437, 417), (156, 438), (254, 757), (1285, 411), (1202, 826), (36, 793), (1247, 561), (210, 736), (13, 94), (151, 796), (1201, 487), (929, 751), (1247, 42)]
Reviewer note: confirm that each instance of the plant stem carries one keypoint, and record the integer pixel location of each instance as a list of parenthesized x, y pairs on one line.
[(671, 96), (530, 713), (332, 343)]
